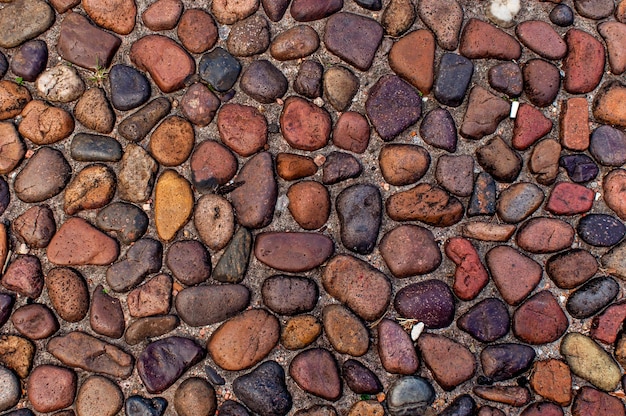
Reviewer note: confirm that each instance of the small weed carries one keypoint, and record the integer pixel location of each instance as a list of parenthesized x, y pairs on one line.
[(19, 80), (99, 75)]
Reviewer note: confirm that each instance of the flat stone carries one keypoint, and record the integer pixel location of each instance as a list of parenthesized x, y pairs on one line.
[(242, 128), (484, 113), (486, 321), (410, 250), (232, 266), (214, 220), (249, 37), (227, 13), (613, 187), (470, 276), (220, 69), (541, 82), (574, 124), (35, 321), (151, 298), (79, 243), (438, 130), (13, 151), (316, 372), (35, 226), (545, 235), (506, 78), (606, 106), (456, 174), (359, 378), (129, 87), (519, 201), (199, 104), (584, 64), (68, 293), (580, 168), (118, 16), (398, 17), (264, 390), (427, 203), (608, 146), (172, 141), (51, 388), (592, 297), (127, 221), (540, 319), (340, 87), (94, 111), (392, 106), (106, 316), (173, 204), (486, 231), (289, 295), (309, 204), (91, 188), (293, 252), (300, 332), (542, 39), (143, 258), (30, 60), (429, 301), (614, 35), (89, 398), (46, 162), (255, 199), (505, 361), (483, 199), (480, 40), (570, 199), (413, 58), (453, 78), (590, 401), (212, 164), (24, 20), (590, 362), (450, 363), (552, 380), (264, 82), (295, 43), (162, 15), (409, 395), (308, 81), (150, 327), (359, 208), (208, 304), (308, 10), (13, 99), (601, 230), (137, 126), (514, 274), (197, 30), (403, 164), (345, 331), (444, 18), (158, 374), (304, 125)]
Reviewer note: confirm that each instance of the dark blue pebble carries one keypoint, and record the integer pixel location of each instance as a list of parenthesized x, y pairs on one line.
[(95, 148), (30, 60), (580, 168), (601, 230), (562, 15), (140, 406), (129, 87), (455, 74), (463, 405), (592, 297), (213, 376), (219, 69)]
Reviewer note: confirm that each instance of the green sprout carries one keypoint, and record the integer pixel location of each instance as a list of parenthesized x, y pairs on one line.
[(19, 80), (99, 74)]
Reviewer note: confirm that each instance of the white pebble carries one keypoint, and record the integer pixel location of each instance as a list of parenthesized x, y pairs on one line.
[(514, 108), (416, 331)]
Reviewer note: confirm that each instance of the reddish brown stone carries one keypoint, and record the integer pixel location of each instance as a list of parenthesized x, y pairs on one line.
[(199, 104), (309, 10), (450, 363), (197, 31), (426, 203), (78, 243), (540, 320), (316, 372), (614, 34), (304, 125), (552, 380), (212, 164), (242, 128), (403, 164), (592, 402), (542, 81), (575, 124), (483, 40), (51, 388), (413, 58), (297, 42), (606, 325), (172, 141), (395, 348), (61, 6), (545, 235), (290, 166), (572, 268), (511, 395), (13, 99), (117, 15), (484, 113), (162, 14), (568, 198), (24, 276), (44, 124), (514, 274), (309, 204), (542, 409), (351, 132), (151, 298), (614, 187), (35, 321), (13, 148), (608, 105), (530, 126), (293, 251), (228, 12), (544, 161), (541, 38), (584, 64), (470, 276)]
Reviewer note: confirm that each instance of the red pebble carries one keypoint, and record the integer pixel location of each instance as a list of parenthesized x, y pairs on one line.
[(570, 199), (605, 326), (470, 276)]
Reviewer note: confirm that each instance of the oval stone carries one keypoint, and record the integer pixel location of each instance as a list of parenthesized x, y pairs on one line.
[(208, 304), (429, 301), (316, 372), (601, 230), (304, 125), (173, 204), (293, 252), (592, 297), (359, 208), (589, 361), (395, 348), (545, 235), (289, 295), (409, 250)]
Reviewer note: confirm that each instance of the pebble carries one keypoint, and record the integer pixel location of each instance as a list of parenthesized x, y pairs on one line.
[(46, 162), (106, 316), (173, 204), (571, 268), (542, 39), (172, 141), (219, 69), (304, 125), (594, 10), (490, 411), (214, 220), (300, 331), (129, 87), (484, 113), (68, 293), (264, 390), (35, 321), (310, 10), (486, 321), (13, 151), (76, 349), (544, 161), (6, 307), (140, 406), (249, 37), (608, 146), (17, 353), (227, 12), (212, 164), (506, 78), (606, 106), (127, 221), (438, 130), (275, 9), (562, 15), (189, 262), (137, 126), (392, 106), (592, 297), (614, 260), (470, 276), (365, 289), (265, 83), (150, 327), (60, 84), (600, 230), (444, 18), (584, 64), (292, 251), (199, 104), (169, 68), (514, 274), (541, 82), (413, 58), (308, 81), (480, 40), (570, 199), (44, 124), (254, 201), (5, 198), (232, 266), (11, 389), (606, 325), (118, 16), (590, 401), (13, 99), (508, 395), (94, 111), (24, 276), (309, 204), (427, 203), (429, 301), (51, 388), (345, 332), (242, 128), (614, 34), (590, 362), (30, 60), (197, 30), (4, 65), (612, 185), (410, 250), (359, 378), (232, 408), (151, 298), (208, 304), (463, 405), (158, 374), (398, 17), (162, 14), (519, 201), (574, 124), (453, 78), (505, 361), (340, 87), (316, 372), (552, 380), (245, 340), (142, 258), (403, 164), (195, 396), (359, 209), (367, 408), (456, 174), (91, 188), (409, 395), (483, 199), (579, 167), (35, 226), (22, 21), (540, 319), (136, 175), (545, 235), (295, 43), (84, 44), (289, 295), (89, 400), (450, 363)]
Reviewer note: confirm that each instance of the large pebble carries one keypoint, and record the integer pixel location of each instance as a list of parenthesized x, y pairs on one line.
[(297, 42), (35, 321), (614, 192), (254, 201), (275, 9), (351, 132), (89, 401), (592, 297), (444, 18), (219, 69), (438, 130), (197, 30), (310, 10), (570, 199), (195, 396), (106, 316), (516, 396), (6, 307), (30, 60), (316, 372), (242, 128), (403, 164), (484, 113), (79, 243), (601, 230), (450, 362), (584, 64), (189, 262), (91, 188), (140, 406), (590, 362), (607, 106), (227, 12), (427, 203), (410, 250), (540, 319), (60, 83), (482, 40), (552, 380), (519, 201), (150, 327), (214, 220), (172, 141), (130, 88), (249, 37), (359, 208), (409, 395), (353, 38), (300, 332), (199, 104), (456, 174), (118, 16), (398, 17), (608, 146), (590, 401), (505, 361), (345, 332), (142, 258), (264, 390), (48, 163), (68, 292), (413, 58), (293, 252), (545, 235), (463, 405), (17, 354), (136, 175), (574, 124), (11, 389), (429, 301), (232, 266), (308, 81), (487, 320), (606, 325), (289, 295), (208, 304), (542, 39), (35, 226), (24, 20), (340, 87), (514, 274), (453, 78), (151, 298), (506, 78), (470, 276), (580, 168), (304, 125), (212, 164), (544, 161), (359, 378), (127, 221), (541, 82), (614, 34), (173, 204), (13, 149), (264, 82), (309, 204), (615, 261), (498, 159), (51, 388), (87, 147)]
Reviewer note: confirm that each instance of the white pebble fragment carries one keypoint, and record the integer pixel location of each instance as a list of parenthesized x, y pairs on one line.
[(318, 102), (514, 108), (502, 12), (61, 83), (416, 331)]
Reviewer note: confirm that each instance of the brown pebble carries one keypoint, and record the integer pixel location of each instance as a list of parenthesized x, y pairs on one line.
[(93, 187), (427, 203), (304, 125), (300, 331), (242, 128), (68, 293), (35, 321), (162, 14), (106, 316), (309, 204), (345, 332), (199, 104), (574, 123), (94, 111), (35, 226), (172, 141), (13, 149), (297, 42), (351, 132), (552, 380), (514, 274), (395, 348), (291, 166), (413, 58), (44, 124), (450, 362), (410, 250), (151, 298), (51, 388), (510, 395), (197, 30), (212, 164), (24, 276), (78, 243)]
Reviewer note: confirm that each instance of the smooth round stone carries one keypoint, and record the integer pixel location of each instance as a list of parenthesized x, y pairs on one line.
[(359, 378), (309, 204), (403, 164), (308, 81), (540, 319), (44, 124), (141, 406), (199, 104), (340, 166), (172, 141), (505, 361), (395, 348), (48, 163), (295, 43), (470, 276), (35, 226), (592, 297), (195, 397), (24, 276), (30, 60), (561, 15), (316, 372), (51, 388), (137, 126), (351, 132), (579, 167), (340, 87), (293, 252), (289, 295), (275, 9), (409, 396), (600, 230), (162, 14), (450, 363), (214, 220), (308, 10), (463, 405), (232, 266), (60, 83), (173, 204), (249, 37), (541, 82), (300, 332), (157, 374), (614, 34), (590, 361), (498, 159), (68, 294), (11, 389), (519, 201), (590, 401), (304, 125), (151, 298), (594, 9), (242, 128), (106, 316), (208, 304), (486, 321), (542, 39), (506, 78), (212, 164), (608, 146), (127, 221), (438, 130), (429, 301), (189, 262), (584, 64), (531, 125), (227, 13), (514, 274), (150, 327), (413, 57), (262, 81), (87, 147), (142, 258), (99, 396), (118, 16), (129, 87), (219, 69), (35, 321), (483, 40), (345, 332), (570, 199), (410, 250), (545, 235), (264, 390), (552, 380), (197, 30), (359, 208), (453, 78), (456, 174)]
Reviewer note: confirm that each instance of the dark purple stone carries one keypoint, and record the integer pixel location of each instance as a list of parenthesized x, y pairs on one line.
[(505, 361), (600, 230), (264, 390), (370, 4), (453, 78), (608, 146), (360, 379), (562, 15), (359, 208), (353, 38), (165, 360), (310, 10), (30, 60), (486, 321), (275, 9), (232, 408), (129, 87), (580, 168), (308, 82), (506, 78), (592, 297), (463, 405), (340, 166), (430, 301), (438, 130), (6, 305)]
